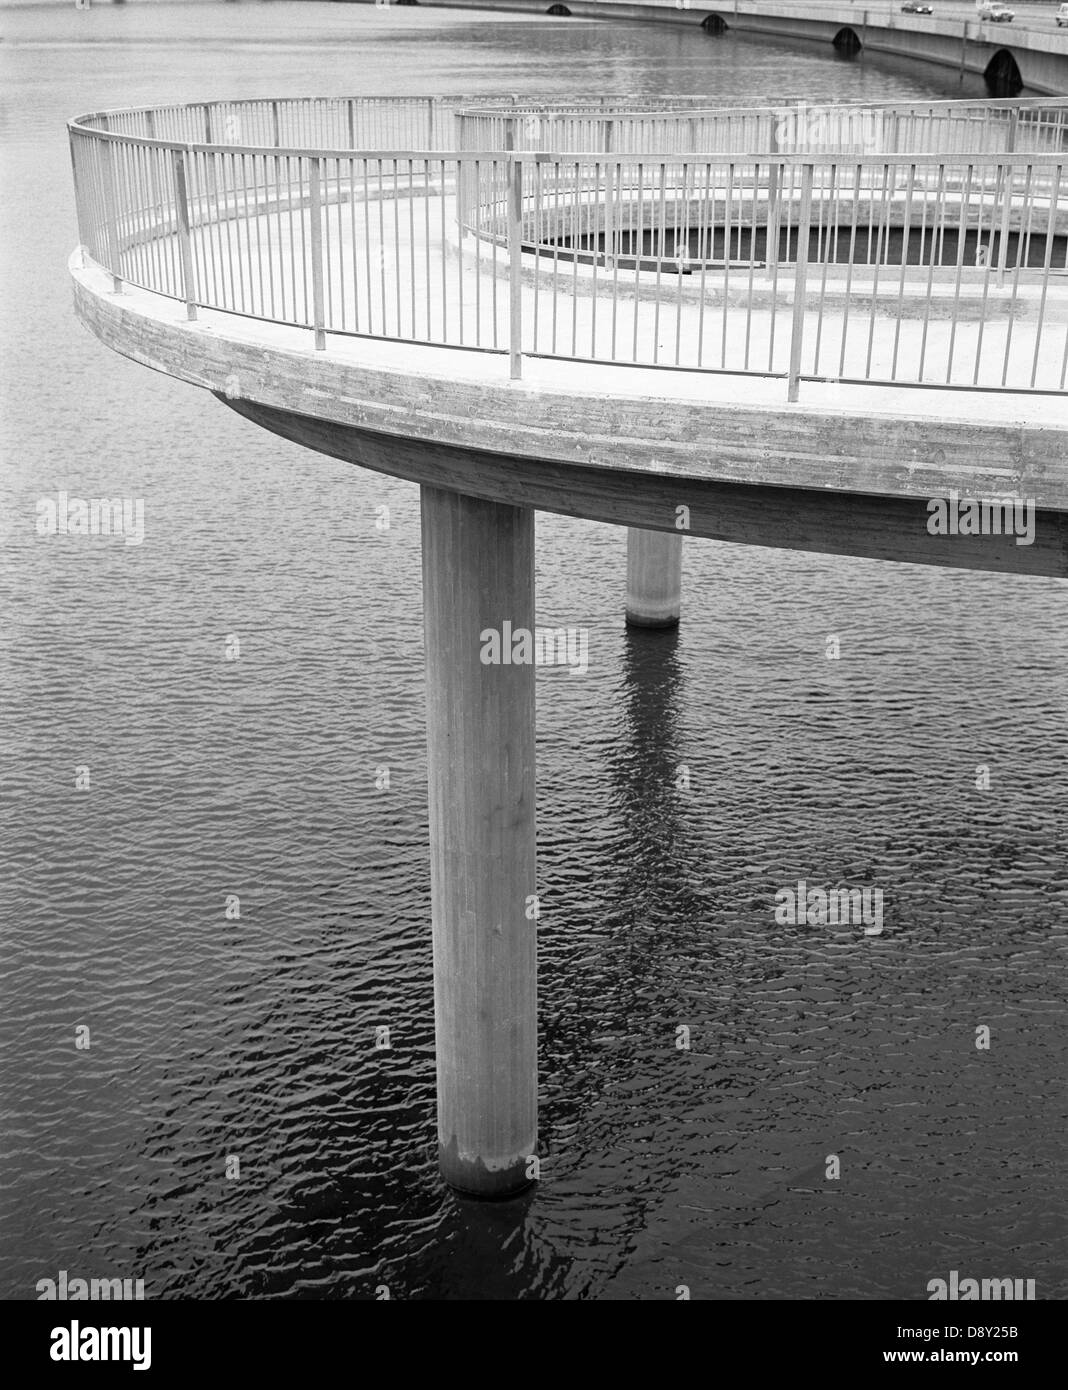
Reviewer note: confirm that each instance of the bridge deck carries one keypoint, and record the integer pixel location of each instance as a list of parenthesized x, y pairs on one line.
[(880, 440)]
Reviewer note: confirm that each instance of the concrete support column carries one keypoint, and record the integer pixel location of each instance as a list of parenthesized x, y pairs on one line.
[(654, 577), (478, 586)]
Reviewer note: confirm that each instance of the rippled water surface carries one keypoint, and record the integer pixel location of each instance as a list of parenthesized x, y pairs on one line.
[(254, 1037)]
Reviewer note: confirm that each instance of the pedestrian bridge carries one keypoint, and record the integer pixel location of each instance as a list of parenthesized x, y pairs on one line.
[(803, 327), (663, 279)]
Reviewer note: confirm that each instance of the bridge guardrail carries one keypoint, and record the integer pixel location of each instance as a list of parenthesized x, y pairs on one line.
[(774, 242)]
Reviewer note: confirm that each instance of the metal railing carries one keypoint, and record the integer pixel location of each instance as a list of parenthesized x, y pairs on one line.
[(691, 126), (808, 243)]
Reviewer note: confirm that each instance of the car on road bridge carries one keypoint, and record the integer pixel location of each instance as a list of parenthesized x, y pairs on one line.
[(912, 7), (997, 13), (1062, 17)]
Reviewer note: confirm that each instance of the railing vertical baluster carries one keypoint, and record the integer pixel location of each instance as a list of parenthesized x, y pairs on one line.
[(1006, 199), (771, 249), (210, 163), (804, 222), (111, 228), (181, 199), (609, 195), (77, 154), (150, 126), (315, 214), (515, 267)]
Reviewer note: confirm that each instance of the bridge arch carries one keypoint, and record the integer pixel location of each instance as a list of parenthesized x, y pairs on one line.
[(559, 11), (847, 41), (714, 24), (1002, 74)]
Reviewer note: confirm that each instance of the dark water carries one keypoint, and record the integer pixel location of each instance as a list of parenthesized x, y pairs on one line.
[(211, 1037), (869, 243)]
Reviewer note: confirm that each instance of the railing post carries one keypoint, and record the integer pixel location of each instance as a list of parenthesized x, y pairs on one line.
[(315, 212), (459, 130), (77, 153), (185, 250), (153, 177), (609, 193), (462, 194), (210, 170), (771, 248), (515, 266), (1006, 199), (804, 225), (276, 124), (107, 172)]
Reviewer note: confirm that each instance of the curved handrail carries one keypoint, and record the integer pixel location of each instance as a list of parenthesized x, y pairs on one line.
[(856, 242), (447, 123)]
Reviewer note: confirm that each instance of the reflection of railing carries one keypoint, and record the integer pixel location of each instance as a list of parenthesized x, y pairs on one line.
[(777, 243)]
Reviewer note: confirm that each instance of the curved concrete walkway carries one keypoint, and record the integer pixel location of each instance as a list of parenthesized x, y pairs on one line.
[(848, 470)]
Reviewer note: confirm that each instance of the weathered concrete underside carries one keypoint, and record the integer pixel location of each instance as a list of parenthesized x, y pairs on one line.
[(849, 472)]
